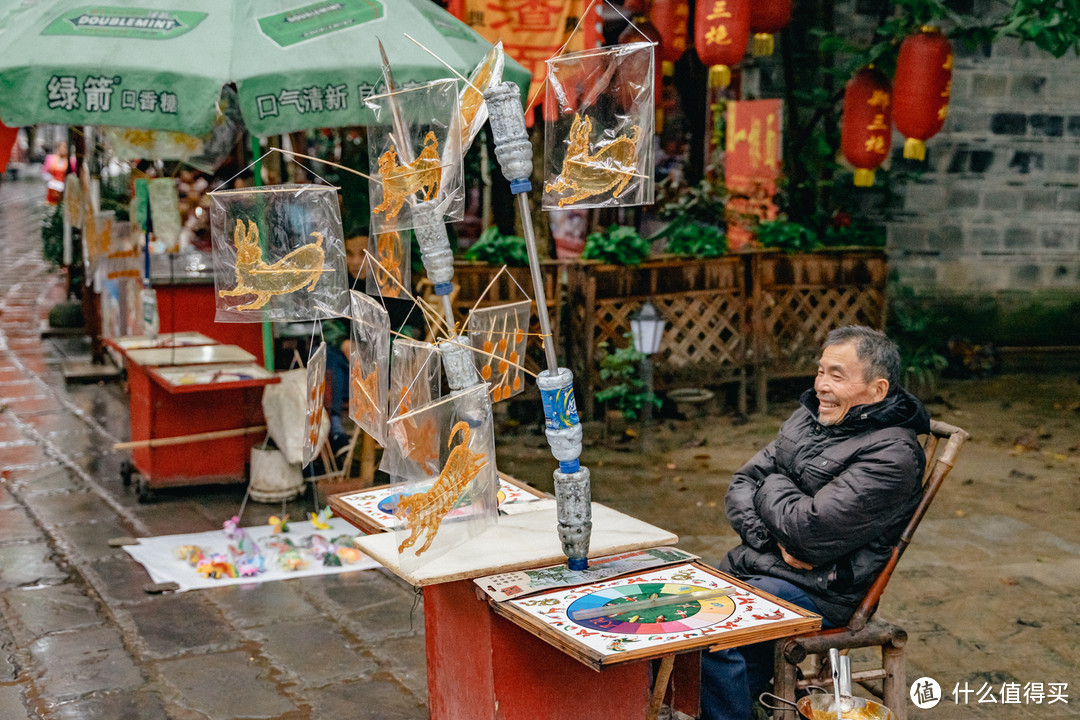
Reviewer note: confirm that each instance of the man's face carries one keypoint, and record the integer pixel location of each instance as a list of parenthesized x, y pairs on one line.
[(840, 384), (354, 254)]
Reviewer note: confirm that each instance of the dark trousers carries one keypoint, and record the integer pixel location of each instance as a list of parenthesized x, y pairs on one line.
[(732, 679)]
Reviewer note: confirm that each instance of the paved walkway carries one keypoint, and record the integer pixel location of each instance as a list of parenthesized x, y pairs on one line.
[(79, 637)]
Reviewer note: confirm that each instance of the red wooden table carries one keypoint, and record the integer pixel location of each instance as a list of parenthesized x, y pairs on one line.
[(189, 391), (484, 667)]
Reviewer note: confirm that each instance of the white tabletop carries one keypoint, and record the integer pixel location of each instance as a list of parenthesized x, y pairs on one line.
[(518, 542), (180, 339), (194, 355)]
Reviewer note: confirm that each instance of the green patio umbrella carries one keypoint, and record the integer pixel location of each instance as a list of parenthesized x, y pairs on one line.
[(161, 64)]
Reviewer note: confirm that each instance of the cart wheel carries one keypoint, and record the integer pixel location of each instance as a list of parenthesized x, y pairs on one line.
[(146, 495), (126, 469)]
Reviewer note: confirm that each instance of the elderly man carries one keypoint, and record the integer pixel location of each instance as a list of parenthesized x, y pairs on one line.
[(819, 509)]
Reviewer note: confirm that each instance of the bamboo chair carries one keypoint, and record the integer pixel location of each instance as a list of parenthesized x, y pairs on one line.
[(863, 629)]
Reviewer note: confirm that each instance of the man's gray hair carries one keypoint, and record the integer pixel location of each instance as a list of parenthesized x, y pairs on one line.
[(878, 354)]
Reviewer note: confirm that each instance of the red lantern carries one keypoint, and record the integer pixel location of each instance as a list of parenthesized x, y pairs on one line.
[(721, 30), (671, 18), (921, 89), (866, 133), (767, 17)]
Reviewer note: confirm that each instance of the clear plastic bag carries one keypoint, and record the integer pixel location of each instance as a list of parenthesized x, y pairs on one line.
[(205, 152), (316, 389), (278, 252), (426, 166), (598, 137), (462, 502), (415, 381), (96, 239), (369, 364), (122, 256), (165, 213), (474, 113), (391, 277), (498, 335)]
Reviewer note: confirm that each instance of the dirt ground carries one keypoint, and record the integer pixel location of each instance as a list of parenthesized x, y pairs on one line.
[(987, 589)]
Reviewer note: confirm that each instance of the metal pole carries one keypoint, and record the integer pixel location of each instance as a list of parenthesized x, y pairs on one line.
[(267, 332), (572, 482), (646, 377), (538, 282)]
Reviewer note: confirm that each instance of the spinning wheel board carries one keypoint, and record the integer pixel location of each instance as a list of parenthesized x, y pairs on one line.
[(683, 617), (746, 615)]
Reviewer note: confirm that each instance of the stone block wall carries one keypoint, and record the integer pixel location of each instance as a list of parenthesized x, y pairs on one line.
[(998, 206)]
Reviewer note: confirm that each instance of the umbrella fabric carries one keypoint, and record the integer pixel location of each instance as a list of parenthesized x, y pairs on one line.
[(161, 65)]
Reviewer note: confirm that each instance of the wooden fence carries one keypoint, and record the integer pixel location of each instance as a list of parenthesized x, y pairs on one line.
[(757, 314)]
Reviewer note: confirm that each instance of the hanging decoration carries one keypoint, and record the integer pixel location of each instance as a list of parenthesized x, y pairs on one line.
[(498, 335), (314, 432), (598, 149), (415, 142), (392, 273), (369, 365), (121, 253), (671, 19), (165, 213), (866, 133), (721, 31), (921, 89), (415, 381), (278, 253), (205, 152), (466, 483), (767, 17), (471, 99)]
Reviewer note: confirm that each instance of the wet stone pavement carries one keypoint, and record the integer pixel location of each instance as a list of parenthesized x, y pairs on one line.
[(80, 638)]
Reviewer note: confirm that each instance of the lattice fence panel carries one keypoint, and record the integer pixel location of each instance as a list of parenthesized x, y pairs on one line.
[(795, 322), (706, 336)]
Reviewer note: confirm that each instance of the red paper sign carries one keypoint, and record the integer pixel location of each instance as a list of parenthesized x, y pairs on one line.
[(751, 166)]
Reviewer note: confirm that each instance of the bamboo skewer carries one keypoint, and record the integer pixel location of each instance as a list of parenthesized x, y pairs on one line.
[(182, 439)]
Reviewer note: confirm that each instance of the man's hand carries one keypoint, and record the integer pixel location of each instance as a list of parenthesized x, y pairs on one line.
[(793, 561), (346, 346)]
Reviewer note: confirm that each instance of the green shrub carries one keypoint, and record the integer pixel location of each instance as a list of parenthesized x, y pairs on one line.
[(789, 236), (618, 245), (494, 248), (695, 239)]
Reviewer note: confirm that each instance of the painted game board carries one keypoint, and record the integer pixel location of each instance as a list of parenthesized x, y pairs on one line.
[(745, 616), (373, 510)]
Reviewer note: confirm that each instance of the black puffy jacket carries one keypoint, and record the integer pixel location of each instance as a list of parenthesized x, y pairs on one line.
[(835, 496)]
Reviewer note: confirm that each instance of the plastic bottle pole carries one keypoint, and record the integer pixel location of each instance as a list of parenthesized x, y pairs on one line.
[(431, 230), (563, 430)]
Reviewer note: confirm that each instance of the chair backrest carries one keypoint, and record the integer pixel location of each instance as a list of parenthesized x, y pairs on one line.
[(939, 461)]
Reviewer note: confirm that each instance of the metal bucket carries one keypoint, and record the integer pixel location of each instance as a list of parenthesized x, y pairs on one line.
[(822, 707)]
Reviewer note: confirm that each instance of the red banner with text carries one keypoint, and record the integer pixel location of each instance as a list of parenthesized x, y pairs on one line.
[(751, 166)]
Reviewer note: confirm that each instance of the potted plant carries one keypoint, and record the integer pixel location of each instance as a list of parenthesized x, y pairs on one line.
[(625, 393)]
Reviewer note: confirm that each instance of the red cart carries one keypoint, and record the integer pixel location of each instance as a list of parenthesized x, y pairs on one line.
[(209, 399)]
